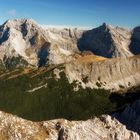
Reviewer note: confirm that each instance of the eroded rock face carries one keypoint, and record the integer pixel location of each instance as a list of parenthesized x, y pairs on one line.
[(118, 74), (105, 127)]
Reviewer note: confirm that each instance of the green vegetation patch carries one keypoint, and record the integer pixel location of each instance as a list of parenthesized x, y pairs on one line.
[(58, 100)]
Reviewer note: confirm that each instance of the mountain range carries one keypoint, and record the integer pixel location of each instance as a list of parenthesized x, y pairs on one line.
[(48, 73), (25, 43)]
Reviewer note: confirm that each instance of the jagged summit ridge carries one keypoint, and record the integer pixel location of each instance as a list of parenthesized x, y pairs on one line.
[(27, 38), (15, 22)]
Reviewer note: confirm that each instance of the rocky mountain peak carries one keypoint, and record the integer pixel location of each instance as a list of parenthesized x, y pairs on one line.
[(107, 41), (17, 22), (21, 37), (106, 27), (31, 41)]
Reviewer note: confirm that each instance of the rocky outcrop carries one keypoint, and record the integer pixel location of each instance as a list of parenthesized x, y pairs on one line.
[(103, 128), (118, 74)]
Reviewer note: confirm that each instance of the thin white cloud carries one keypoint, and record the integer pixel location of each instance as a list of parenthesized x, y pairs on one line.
[(12, 12)]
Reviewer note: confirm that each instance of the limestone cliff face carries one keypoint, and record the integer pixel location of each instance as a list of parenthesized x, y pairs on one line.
[(118, 74), (103, 128)]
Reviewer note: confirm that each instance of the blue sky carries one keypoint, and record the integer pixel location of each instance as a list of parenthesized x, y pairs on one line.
[(83, 13)]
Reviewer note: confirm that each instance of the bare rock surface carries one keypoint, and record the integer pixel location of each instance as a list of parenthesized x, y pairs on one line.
[(103, 128), (118, 74)]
